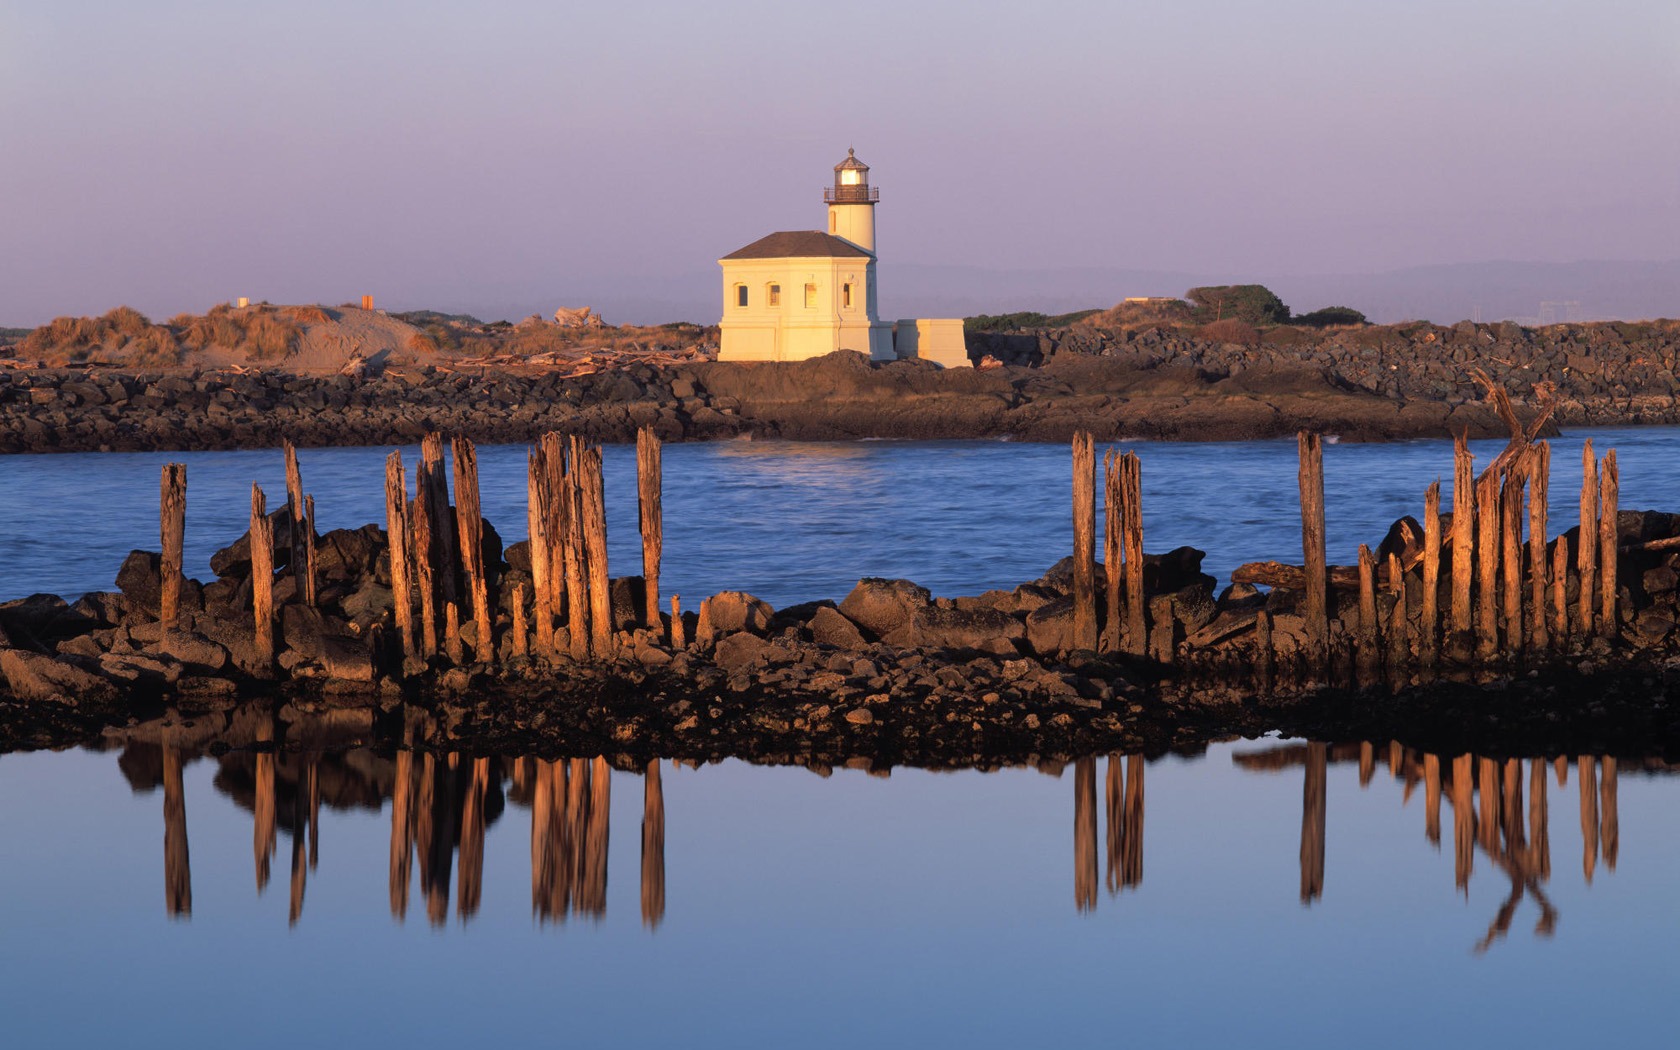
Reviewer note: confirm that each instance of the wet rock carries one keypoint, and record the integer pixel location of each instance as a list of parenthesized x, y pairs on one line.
[(36, 676), (881, 606)]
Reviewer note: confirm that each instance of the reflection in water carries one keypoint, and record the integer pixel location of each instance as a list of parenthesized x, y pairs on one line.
[(177, 866), (653, 847), (1124, 805), (1488, 815)]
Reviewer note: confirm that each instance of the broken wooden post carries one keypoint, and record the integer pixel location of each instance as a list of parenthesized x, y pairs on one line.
[(679, 634), (1586, 547), (420, 521), (445, 563), (1609, 488), (1131, 542), (397, 544), (1539, 488), (1431, 610), (1365, 643), (262, 578), (470, 526), (1463, 544), (1311, 478), (1560, 593), (172, 526), (576, 563), (536, 522), (452, 633), (553, 484), (1113, 558), (1084, 544), (595, 549), (309, 576), (1510, 552), (1399, 644), (521, 644), (299, 558), (1487, 566), (649, 506)]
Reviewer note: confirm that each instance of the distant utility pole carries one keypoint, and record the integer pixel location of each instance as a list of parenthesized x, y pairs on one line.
[(1476, 313), (1558, 311)]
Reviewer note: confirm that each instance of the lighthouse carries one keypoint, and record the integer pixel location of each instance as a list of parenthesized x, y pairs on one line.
[(851, 203)]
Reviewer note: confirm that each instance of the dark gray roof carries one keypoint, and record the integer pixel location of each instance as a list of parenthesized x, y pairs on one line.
[(851, 163), (800, 244)]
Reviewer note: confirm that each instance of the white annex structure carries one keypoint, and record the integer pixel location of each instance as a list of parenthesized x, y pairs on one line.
[(805, 293)]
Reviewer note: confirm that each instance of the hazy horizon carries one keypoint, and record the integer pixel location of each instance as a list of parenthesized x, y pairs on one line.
[(520, 157)]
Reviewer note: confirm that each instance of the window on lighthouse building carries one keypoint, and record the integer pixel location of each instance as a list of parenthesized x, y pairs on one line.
[(740, 295), (810, 297), (773, 297)]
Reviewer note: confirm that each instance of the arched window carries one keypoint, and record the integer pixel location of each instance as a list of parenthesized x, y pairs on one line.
[(846, 295), (740, 295)]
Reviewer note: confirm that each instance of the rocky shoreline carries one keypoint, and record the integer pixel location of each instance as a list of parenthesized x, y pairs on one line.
[(1362, 384)]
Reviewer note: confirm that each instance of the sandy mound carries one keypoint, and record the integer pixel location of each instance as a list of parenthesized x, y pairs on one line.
[(346, 336)]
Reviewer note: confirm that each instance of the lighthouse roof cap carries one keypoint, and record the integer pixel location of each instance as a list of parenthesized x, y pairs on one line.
[(800, 244), (851, 163)]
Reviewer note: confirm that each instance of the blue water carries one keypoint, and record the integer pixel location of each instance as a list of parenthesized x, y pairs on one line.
[(919, 909), (793, 522)]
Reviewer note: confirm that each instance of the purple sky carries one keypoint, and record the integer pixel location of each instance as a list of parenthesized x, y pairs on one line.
[(517, 156)]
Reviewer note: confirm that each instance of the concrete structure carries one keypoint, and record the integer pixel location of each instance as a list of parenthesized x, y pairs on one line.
[(939, 340), (805, 293)]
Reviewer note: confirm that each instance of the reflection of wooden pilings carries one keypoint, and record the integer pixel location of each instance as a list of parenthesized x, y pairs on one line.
[(1539, 560), (1432, 797), (1310, 449), (1487, 810), (1085, 833), (1430, 619), (1131, 846), (650, 510), (402, 834), (172, 526), (1084, 543), (1462, 794), (1610, 838), (262, 579), (1609, 488), (263, 810), (592, 887), (1463, 544), (1586, 551), (653, 845), (550, 854), (1588, 779), (300, 836), (1539, 829), (177, 863), (1114, 786), (434, 833), (1313, 803), (472, 840)]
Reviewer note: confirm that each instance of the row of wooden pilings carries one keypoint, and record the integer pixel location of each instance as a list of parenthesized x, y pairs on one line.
[(439, 579), (1506, 594)]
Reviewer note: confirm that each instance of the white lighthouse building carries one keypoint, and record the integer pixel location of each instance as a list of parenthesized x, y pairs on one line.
[(805, 293)]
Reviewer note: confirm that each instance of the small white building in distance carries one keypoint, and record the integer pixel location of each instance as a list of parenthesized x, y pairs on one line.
[(805, 293)]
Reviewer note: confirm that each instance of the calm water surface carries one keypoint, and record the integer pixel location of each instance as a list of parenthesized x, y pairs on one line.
[(1268, 893)]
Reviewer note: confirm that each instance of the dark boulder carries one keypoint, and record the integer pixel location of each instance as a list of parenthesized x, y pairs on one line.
[(882, 606)]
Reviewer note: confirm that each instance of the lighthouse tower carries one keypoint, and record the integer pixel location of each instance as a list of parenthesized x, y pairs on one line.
[(851, 203)]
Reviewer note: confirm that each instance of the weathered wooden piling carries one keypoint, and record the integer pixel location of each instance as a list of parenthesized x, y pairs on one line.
[(521, 630), (1560, 592), (445, 561), (1084, 543), (650, 511), (1365, 643), (425, 576), (575, 559), (1131, 543), (1586, 550), (262, 577), (1430, 613), (1539, 487), (172, 526), (397, 546), (1113, 556), (595, 548), (1311, 479), (536, 524), (554, 504), (1510, 552), (296, 528), (679, 634), (1609, 488), (1397, 628), (452, 633), (470, 527), (1487, 566), (1463, 544)]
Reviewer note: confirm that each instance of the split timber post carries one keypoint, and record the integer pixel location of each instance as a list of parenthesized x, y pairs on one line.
[(521, 633), (537, 499), (1609, 488), (444, 561), (553, 447), (1463, 544), (1510, 551), (1113, 558), (1131, 541), (1431, 613), (309, 574), (172, 526), (1539, 488), (262, 578), (650, 509), (595, 544), (1399, 647), (397, 545), (1560, 593), (470, 522), (1487, 566), (577, 588), (1586, 550), (1084, 544), (420, 521), (1311, 478), (1365, 646), (301, 538)]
